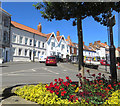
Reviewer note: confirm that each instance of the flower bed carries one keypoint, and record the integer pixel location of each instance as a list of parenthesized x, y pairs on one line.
[(97, 90), (41, 95), (114, 99)]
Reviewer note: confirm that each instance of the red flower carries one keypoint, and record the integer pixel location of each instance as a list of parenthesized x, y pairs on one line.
[(99, 74), (51, 83), (76, 98), (114, 84), (57, 93), (73, 85), (109, 85), (84, 77), (62, 94), (55, 80), (79, 75), (51, 91), (119, 83), (55, 84), (68, 84), (71, 96), (57, 87), (87, 79), (67, 77), (88, 71), (70, 81), (111, 88), (93, 75), (62, 88), (80, 87)]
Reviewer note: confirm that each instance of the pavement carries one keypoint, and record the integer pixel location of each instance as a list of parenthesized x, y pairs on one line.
[(40, 73)]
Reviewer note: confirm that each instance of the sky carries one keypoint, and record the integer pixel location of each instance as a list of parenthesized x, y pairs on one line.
[(24, 13)]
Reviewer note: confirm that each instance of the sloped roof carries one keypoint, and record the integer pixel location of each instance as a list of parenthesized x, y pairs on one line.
[(104, 45), (26, 28), (48, 35), (118, 49)]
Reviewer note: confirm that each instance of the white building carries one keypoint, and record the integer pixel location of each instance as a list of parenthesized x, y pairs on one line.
[(51, 44), (63, 49), (5, 19), (27, 43)]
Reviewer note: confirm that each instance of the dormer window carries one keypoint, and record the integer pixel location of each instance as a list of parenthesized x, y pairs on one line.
[(52, 36)]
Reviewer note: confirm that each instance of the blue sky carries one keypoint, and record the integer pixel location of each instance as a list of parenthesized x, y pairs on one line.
[(25, 13)]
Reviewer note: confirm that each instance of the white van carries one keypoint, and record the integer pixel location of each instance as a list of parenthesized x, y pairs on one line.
[(42, 58)]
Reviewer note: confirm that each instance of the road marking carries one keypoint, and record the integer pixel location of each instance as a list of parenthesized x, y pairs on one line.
[(33, 70), (64, 70), (52, 72)]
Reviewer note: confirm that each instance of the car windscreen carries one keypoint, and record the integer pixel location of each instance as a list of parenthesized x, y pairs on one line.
[(51, 57)]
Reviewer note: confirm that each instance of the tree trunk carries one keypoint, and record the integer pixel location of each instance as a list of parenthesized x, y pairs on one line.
[(80, 48)]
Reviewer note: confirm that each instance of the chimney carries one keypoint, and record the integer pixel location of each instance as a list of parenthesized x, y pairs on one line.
[(105, 43), (98, 41), (68, 38), (58, 33), (90, 44), (95, 43), (39, 27)]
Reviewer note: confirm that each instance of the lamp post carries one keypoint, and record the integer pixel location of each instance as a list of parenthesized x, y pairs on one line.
[(111, 23)]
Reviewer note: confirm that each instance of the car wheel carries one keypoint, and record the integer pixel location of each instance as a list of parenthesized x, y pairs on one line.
[(55, 64), (46, 64)]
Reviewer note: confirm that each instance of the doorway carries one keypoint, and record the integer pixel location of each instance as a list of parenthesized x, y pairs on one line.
[(6, 56), (30, 54)]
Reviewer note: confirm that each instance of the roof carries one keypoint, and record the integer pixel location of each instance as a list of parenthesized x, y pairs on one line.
[(26, 28), (104, 45), (5, 11), (48, 35), (118, 49)]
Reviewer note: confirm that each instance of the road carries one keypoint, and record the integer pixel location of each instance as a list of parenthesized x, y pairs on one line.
[(33, 73)]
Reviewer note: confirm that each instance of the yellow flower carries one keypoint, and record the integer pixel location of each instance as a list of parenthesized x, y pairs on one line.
[(77, 89)]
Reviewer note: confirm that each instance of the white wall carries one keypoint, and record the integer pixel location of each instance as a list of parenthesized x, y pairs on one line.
[(23, 46)]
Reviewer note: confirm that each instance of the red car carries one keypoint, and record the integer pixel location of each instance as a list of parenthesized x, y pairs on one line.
[(103, 62), (51, 60)]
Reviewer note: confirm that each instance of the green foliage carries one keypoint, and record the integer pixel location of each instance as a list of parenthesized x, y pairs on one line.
[(68, 10)]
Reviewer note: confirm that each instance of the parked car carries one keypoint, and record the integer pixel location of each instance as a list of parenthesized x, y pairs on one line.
[(42, 59), (103, 62), (51, 60), (58, 59)]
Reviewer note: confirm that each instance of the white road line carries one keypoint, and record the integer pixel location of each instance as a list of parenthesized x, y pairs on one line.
[(52, 72), (33, 70), (64, 70)]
